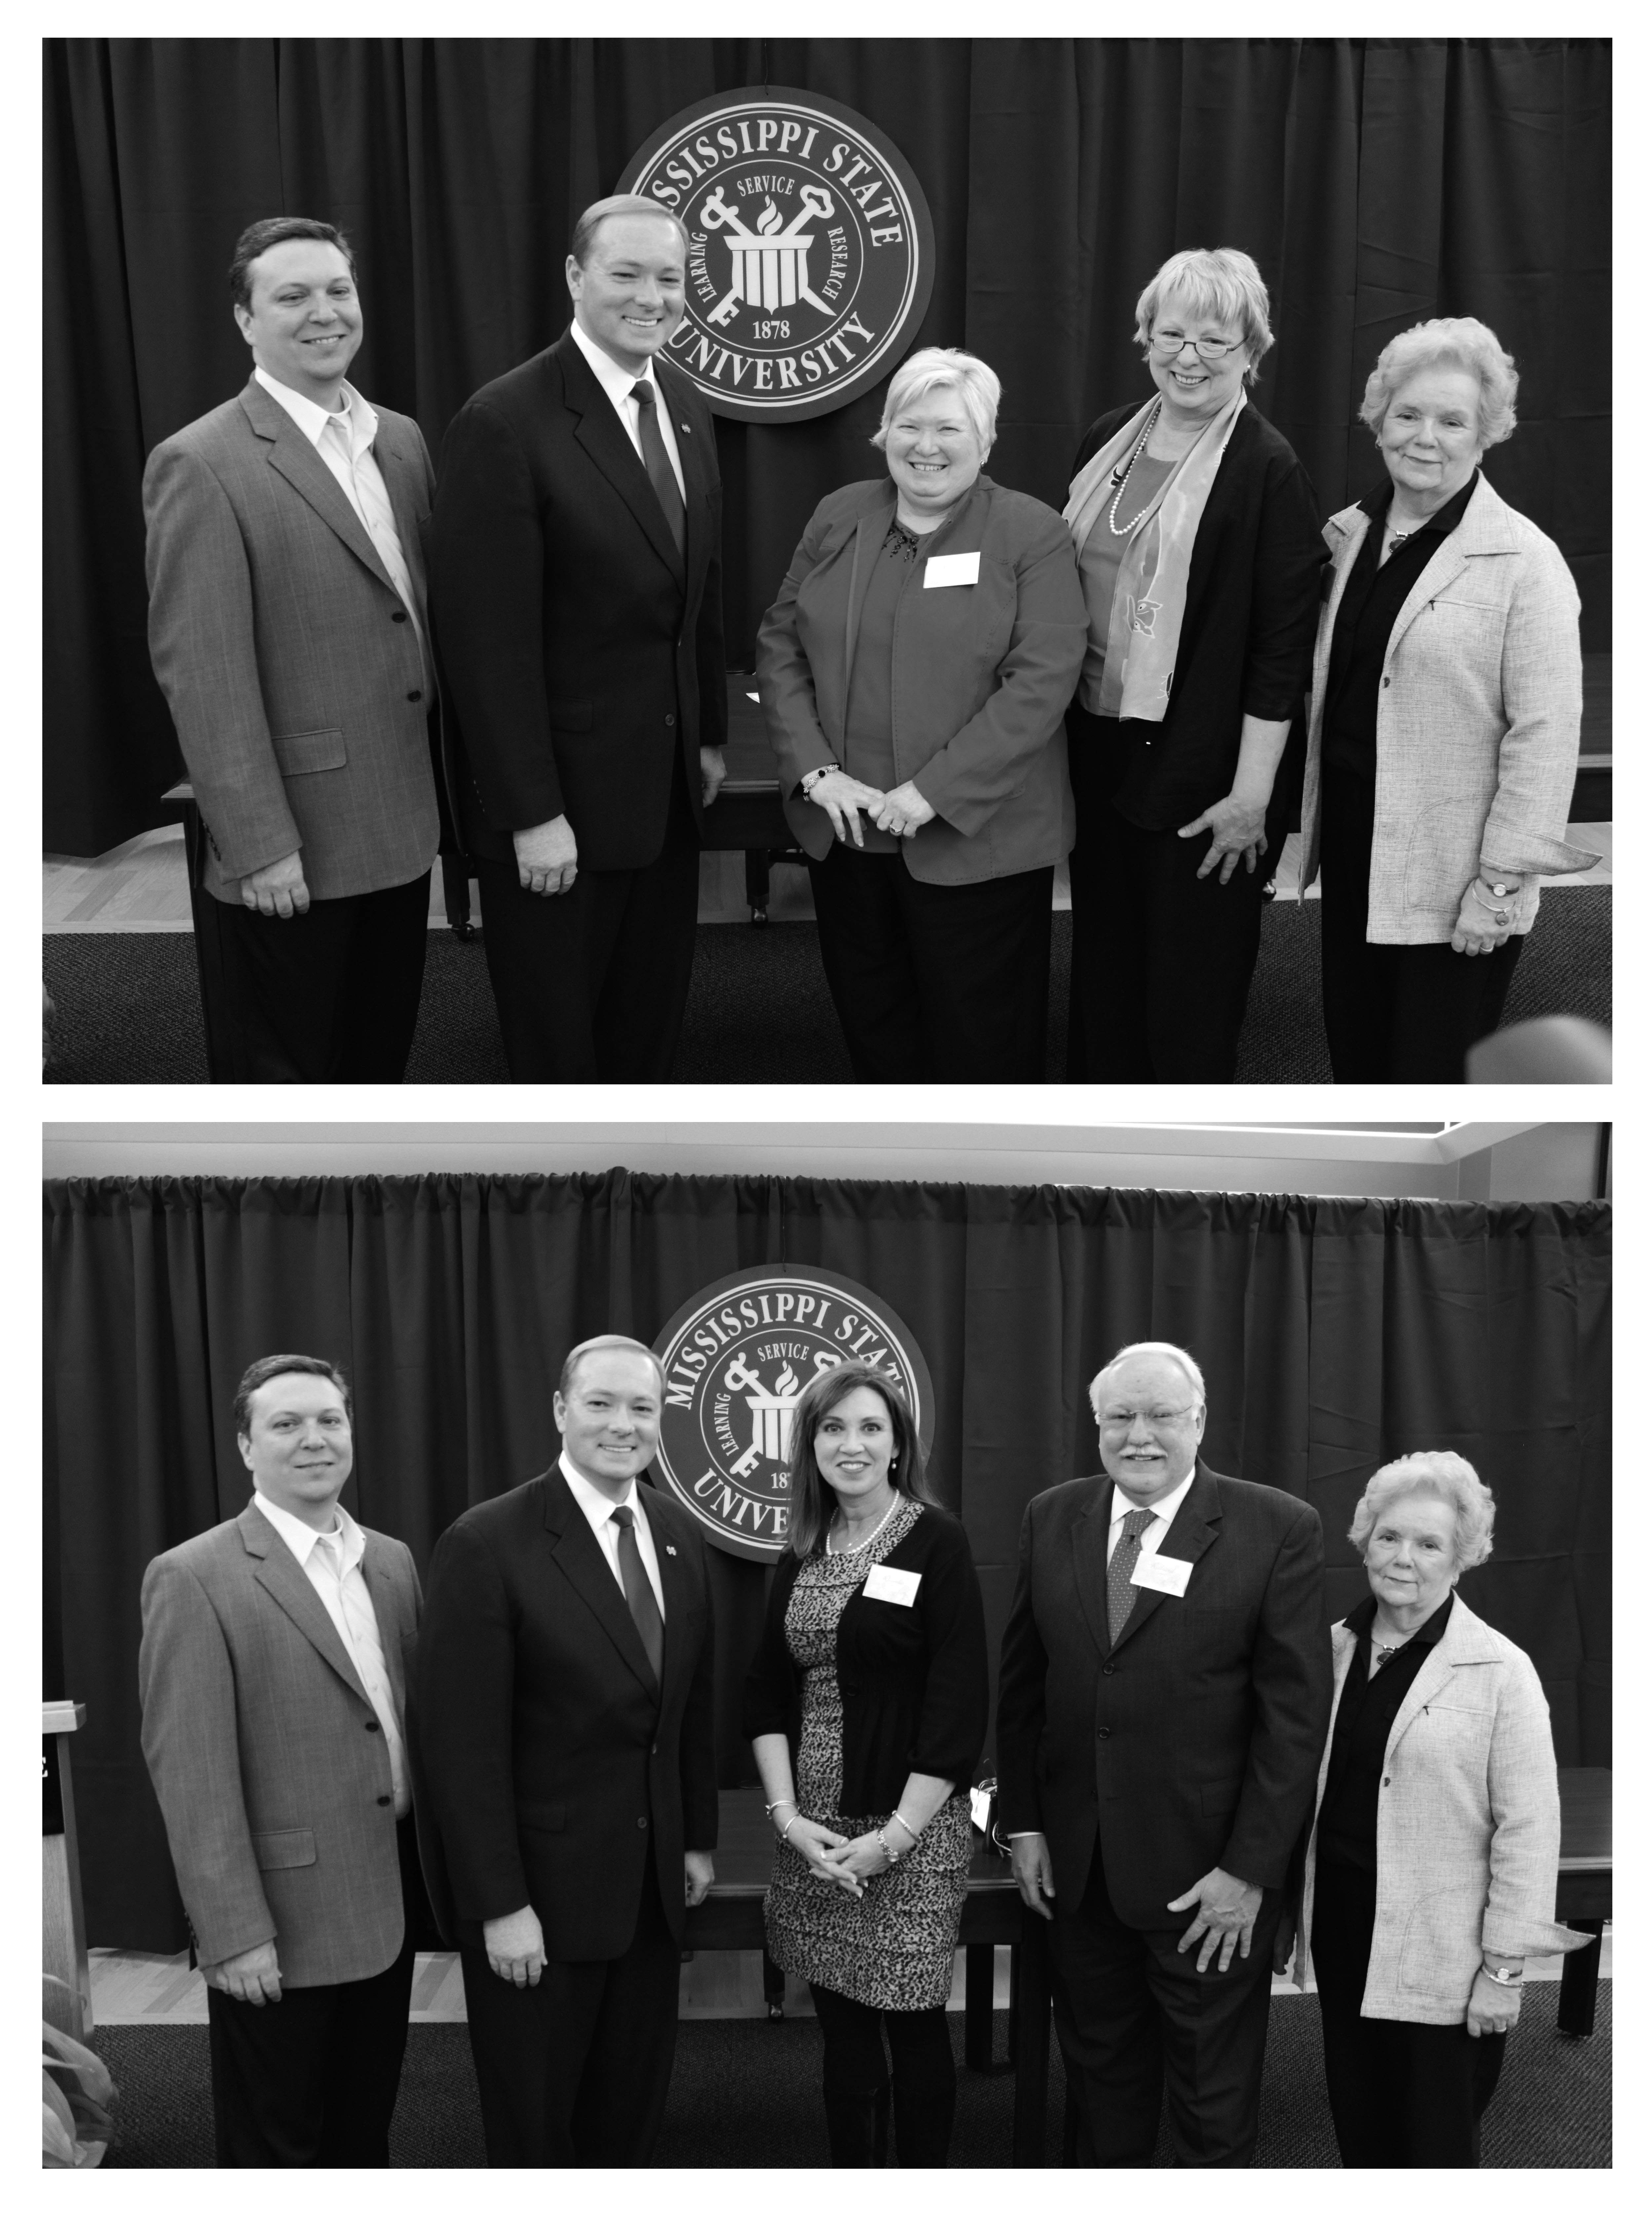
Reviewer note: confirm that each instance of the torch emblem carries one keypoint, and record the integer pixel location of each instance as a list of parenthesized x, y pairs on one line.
[(771, 1413), (770, 266)]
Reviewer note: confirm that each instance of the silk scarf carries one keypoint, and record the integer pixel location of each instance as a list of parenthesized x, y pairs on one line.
[(1150, 597)]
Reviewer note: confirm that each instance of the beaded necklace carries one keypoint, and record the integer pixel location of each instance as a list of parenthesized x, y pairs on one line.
[(1121, 477)]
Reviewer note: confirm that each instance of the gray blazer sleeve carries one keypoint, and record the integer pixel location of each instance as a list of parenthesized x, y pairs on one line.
[(191, 1741), (202, 642)]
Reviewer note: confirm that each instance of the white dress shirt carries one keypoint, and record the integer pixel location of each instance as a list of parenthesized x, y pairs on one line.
[(598, 1511), (1163, 1512), (332, 1562), (345, 442), (616, 383)]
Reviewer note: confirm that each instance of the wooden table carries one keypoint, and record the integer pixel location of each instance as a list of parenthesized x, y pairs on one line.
[(731, 1920), (1584, 1892)]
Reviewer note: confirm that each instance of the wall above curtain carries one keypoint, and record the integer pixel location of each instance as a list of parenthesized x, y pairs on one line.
[(1334, 1334), (1376, 182)]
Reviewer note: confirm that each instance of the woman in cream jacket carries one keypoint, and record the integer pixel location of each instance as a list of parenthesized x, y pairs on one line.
[(1430, 1869), (1443, 724)]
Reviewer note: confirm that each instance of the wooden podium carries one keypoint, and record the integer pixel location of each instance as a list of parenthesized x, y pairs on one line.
[(63, 1950)]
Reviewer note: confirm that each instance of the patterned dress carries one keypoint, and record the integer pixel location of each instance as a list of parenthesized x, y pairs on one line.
[(891, 1947)]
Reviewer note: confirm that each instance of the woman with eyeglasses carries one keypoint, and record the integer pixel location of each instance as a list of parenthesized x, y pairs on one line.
[(1443, 733), (1199, 553)]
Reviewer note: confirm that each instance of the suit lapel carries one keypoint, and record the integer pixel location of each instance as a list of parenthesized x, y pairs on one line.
[(581, 1560), (385, 1589), (1441, 569), (293, 457), (400, 472), (599, 431), (674, 1584), (1089, 1531), (697, 467), (279, 1573), (1193, 1529)]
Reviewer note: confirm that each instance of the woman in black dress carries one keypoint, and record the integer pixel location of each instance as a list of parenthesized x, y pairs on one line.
[(866, 1705)]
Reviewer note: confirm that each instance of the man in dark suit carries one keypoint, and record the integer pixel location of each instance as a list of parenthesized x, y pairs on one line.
[(1164, 1696), (287, 626), (564, 1728), (272, 1673), (577, 582)]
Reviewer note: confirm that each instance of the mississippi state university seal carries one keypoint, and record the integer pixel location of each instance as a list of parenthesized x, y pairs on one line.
[(736, 1358), (811, 252)]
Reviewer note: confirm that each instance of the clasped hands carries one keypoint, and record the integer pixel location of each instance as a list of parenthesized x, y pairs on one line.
[(901, 812), (834, 1859)]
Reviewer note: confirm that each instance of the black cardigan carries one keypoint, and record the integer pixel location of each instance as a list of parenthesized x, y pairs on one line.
[(914, 1680), (1247, 632)]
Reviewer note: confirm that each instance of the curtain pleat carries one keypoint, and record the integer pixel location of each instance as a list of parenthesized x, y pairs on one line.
[(1375, 180), (1334, 1334)]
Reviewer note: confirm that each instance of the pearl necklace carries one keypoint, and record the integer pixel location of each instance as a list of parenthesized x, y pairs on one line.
[(1121, 477)]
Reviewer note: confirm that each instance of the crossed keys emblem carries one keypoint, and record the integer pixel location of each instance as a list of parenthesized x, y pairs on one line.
[(771, 266), (771, 1413)]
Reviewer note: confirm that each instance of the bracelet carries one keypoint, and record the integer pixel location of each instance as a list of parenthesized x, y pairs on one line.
[(826, 769), (786, 1833), (890, 1857), (899, 1818), (769, 1805), (1504, 1977), (1493, 908)]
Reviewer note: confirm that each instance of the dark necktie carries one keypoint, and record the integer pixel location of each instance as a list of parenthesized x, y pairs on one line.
[(639, 1592), (1120, 1592), (658, 463)]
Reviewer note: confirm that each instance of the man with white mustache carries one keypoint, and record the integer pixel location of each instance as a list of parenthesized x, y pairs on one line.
[(576, 567), (288, 629), (1162, 1699)]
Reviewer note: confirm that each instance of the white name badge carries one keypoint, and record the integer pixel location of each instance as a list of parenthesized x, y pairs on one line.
[(1153, 1573), (899, 1586), (951, 569)]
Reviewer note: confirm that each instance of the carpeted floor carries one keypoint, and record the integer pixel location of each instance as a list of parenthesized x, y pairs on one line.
[(745, 2094), (127, 1008)]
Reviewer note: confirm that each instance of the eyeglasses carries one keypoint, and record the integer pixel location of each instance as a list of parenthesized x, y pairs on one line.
[(1156, 1419), (1171, 343)]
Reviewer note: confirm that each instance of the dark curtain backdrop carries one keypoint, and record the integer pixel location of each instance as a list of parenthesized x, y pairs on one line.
[(1376, 182), (1333, 1334)]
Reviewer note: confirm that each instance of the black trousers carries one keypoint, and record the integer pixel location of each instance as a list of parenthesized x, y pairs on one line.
[(935, 984), (1394, 1014), (574, 2070), (1402, 2095), (1135, 2018), (309, 2080), (327, 997), (1162, 959), (591, 984), (857, 2082)]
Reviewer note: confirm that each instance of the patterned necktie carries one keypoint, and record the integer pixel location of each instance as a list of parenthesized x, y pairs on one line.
[(657, 463), (1120, 1592), (639, 1592)]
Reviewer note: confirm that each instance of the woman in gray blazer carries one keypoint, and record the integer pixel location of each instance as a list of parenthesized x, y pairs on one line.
[(1431, 1857), (914, 671), (1442, 733)]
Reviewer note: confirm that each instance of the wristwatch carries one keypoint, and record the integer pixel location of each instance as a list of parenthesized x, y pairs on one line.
[(1502, 1976), (810, 776)]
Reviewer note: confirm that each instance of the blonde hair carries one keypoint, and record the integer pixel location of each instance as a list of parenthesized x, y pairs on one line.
[(1462, 342), (977, 387), (1220, 281), (1444, 1476)]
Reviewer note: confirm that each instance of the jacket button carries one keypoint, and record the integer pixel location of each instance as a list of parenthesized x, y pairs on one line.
[(415, 695), (654, 1748), (670, 720), (398, 615), (642, 1822), (384, 1799), (1107, 1668), (373, 1727), (1104, 1732)]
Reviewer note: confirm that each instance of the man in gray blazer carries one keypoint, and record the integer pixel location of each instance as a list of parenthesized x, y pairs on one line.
[(287, 629), (273, 1670)]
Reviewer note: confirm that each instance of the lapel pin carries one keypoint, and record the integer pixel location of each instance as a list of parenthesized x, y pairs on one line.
[(687, 433), (672, 1550)]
